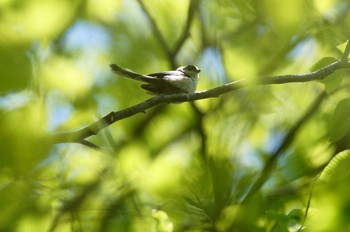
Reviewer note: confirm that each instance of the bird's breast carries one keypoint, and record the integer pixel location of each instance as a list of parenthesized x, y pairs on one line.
[(186, 84)]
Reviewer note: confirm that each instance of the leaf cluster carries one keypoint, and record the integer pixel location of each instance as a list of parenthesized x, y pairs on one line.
[(262, 146)]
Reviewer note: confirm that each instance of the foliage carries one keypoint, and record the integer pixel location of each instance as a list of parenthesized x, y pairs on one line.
[(259, 158)]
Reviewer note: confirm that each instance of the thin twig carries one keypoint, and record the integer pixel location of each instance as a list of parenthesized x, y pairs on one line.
[(157, 33), (89, 144), (186, 30), (171, 53), (308, 204)]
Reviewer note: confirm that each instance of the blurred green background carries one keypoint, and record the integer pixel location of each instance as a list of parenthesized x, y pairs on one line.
[(177, 167)]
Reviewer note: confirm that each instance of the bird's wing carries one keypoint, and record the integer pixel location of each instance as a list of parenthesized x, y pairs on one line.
[(161, 88), (161, 75), (164, 82)]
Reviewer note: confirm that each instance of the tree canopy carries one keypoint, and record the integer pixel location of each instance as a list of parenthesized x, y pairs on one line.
[(263, 145)]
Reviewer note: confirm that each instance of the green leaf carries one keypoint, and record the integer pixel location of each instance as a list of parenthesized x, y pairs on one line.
[(342, 47), (340, 121), (322, 63), (277, 216), (338, 168), (332, 81), (295, 216), (15, 69)]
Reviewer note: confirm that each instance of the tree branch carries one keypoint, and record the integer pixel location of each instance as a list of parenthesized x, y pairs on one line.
[(113, 117)]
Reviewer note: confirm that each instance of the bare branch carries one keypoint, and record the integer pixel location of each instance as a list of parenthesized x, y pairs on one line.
[(113, 117), (89, 144), (107, 120)]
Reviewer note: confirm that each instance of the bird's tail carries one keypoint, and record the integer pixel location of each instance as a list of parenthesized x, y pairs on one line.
[(130, 74)]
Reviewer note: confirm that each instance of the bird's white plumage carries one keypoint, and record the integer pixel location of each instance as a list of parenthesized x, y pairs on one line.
[(184, 83)]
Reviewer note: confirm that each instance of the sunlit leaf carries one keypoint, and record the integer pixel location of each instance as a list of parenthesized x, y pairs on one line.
[(338, 168), (23, 140), (103, 10), (23, 23), (340, 121)]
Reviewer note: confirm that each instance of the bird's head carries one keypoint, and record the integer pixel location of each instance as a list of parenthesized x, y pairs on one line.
[(189, 70)]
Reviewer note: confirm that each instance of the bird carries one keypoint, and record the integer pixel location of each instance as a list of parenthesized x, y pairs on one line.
[(182, 80)]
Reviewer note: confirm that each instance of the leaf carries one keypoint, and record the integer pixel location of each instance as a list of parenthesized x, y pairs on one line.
[(338, 168), (340, 121), (342, 47), (332, 81), (15, 69), (277, 216), (322, 63), (294, 217)]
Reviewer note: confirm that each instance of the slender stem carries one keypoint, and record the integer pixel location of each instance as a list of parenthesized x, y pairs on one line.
[(186, 30), (158, 34)]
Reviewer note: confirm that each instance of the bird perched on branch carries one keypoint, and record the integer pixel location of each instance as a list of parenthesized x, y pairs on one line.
[(182, 80)]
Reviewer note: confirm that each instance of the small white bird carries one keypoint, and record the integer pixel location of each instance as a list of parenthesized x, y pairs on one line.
[(182, 80)]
